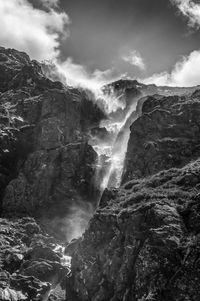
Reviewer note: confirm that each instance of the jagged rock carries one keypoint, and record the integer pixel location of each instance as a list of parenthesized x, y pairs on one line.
[(9, 294), (58, 294), (141, 244), (72, 246), (165, 135), (30, 286), (29, 264), (50, 177), (45, 157), (45, 271), (42, 252)]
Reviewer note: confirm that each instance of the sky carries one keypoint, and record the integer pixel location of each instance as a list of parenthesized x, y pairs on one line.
[(94, 41)]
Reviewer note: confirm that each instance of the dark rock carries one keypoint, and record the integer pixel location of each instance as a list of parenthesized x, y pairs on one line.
[(45, 159), (29, 267), (165, 135), (30, 286), (143, 241), (72, 247), (139, 245)]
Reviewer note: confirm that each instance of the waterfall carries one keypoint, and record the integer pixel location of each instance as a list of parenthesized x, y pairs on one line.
[(111, 140)]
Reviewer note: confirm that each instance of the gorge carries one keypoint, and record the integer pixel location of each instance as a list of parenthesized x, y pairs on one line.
[(109, 178)]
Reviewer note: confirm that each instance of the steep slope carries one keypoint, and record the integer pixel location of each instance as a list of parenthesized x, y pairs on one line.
[(143, 238), (44, 141), (31, 265), (47, 169), (143, 241), (165, 136), (124, 105)]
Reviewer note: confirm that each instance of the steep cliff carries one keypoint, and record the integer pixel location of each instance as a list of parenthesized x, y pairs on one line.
[(166, 135), (47, 171), (143, 241), (44, 140)]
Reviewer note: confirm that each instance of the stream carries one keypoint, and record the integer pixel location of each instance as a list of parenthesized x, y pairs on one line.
[(111, 139)]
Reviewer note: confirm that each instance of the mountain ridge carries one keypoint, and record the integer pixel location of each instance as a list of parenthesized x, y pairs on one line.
[(142, 241)]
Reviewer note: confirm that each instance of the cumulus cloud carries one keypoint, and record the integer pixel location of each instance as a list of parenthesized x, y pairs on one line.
[(38, 32), (186, 73), (134, 58), (78, 75), (191, 10), (32, 30)]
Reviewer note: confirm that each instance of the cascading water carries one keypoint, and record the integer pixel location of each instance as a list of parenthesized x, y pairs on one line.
[(109, 141), (112, 145), (118, 101)]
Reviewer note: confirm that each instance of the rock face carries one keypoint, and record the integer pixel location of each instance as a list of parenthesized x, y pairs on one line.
[(29, 265), (47, 169), (143, 241), (45, 156), (166, 135)]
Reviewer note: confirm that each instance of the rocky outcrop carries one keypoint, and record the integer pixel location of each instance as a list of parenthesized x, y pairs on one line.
[(143, 241), (165, 135), (47, 169), (45, 156), (30, 262)]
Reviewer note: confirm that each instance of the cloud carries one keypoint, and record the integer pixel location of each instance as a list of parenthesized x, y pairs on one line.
[(191, 10), (38, 32), (30, 29), (78, 75), (50, 3), (134, 58), (45, 3), (186, 73)]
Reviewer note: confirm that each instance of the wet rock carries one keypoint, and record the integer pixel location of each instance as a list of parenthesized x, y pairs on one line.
[(72, 247), (45, 271)]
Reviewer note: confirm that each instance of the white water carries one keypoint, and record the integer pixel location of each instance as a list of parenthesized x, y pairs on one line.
[(65, 260), (110, 143), (111, 151)]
